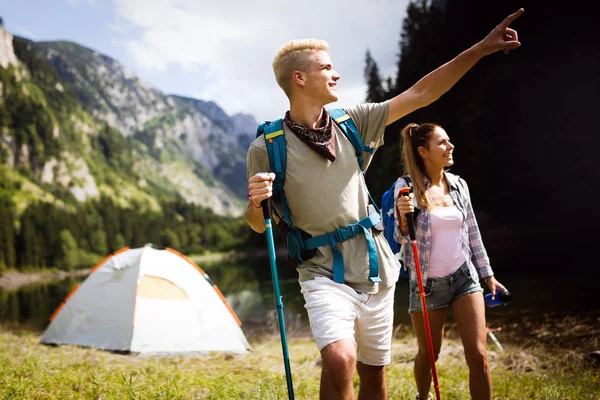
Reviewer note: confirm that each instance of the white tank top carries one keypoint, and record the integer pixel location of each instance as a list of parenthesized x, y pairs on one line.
[(446, 255)]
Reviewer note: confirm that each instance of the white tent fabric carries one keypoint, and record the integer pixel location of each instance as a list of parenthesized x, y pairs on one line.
[(147, 301)]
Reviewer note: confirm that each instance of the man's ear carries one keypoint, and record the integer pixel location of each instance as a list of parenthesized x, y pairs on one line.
[(299, 77)]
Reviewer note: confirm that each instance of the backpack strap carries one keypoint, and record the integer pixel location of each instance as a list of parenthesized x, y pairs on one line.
[(276, 150), (343, 120), (348, 127), (275, 141), (461, 188), (408, 181), (457, 181), (343, 234)]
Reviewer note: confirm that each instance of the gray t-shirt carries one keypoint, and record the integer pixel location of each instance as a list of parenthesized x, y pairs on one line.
[(324, 196)]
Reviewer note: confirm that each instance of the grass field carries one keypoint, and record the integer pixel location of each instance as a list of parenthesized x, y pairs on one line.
[(30, 370)]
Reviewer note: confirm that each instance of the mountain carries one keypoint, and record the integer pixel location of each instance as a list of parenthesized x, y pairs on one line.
[(98, 130)]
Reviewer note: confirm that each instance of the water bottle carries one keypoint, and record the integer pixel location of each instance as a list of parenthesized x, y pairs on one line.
[(502, 297)]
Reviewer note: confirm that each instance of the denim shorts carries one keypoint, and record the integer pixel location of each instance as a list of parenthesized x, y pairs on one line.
[(441, 292)]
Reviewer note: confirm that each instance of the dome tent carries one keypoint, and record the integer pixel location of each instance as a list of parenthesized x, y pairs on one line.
[(147, 301)]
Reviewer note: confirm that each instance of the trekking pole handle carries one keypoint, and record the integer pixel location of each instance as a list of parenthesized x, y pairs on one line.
[(409, 217), (266, 208)]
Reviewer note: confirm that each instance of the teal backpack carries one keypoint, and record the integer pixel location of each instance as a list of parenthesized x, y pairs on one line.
[(388, 204), (301, 246)]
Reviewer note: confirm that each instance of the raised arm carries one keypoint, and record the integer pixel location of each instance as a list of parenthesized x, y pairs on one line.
[(433, 85)]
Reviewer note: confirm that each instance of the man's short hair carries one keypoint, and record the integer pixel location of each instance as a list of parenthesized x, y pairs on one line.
[(294, 56)]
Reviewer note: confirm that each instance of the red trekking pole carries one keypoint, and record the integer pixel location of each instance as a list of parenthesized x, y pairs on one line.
[(411, 233)]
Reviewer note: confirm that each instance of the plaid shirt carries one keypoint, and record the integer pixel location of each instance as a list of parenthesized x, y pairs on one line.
[(470, 237)]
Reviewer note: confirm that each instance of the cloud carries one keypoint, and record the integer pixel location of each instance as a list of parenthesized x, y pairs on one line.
[(235, 41), (78, 2)]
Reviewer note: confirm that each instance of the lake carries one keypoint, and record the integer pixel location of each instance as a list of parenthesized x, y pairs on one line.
[(248, 287)]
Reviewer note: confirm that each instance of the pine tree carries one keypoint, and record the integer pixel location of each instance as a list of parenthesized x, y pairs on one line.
[(69, 249), (28, 243), (7, 233), (375, 92)]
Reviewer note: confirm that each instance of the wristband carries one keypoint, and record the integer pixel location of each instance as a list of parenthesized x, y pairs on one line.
[(250, 197)]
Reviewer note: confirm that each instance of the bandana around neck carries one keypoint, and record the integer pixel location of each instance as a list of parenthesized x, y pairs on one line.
[(322, 139)]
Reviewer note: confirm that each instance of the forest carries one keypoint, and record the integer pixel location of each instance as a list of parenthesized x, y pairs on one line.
[(521, 124)]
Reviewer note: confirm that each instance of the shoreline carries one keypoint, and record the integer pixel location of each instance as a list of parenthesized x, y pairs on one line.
[(14, 279)]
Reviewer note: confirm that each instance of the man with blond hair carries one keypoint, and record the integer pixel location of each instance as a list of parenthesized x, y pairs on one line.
[(351, 321)]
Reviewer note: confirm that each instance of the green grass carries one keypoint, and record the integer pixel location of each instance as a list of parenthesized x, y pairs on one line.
[(29, 370)]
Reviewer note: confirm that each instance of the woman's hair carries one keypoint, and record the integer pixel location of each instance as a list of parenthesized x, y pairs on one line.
[(295, 56), (413, 136)]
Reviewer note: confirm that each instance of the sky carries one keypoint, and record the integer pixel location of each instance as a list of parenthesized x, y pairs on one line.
[(220, 50)]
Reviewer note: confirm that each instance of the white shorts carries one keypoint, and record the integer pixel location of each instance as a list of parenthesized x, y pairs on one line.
[(336, 312)]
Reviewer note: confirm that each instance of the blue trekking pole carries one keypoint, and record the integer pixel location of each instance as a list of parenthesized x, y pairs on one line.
[(266, 207)]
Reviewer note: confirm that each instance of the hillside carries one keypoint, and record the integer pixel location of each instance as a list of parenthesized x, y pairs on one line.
[(92, 159), (76, 119)]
